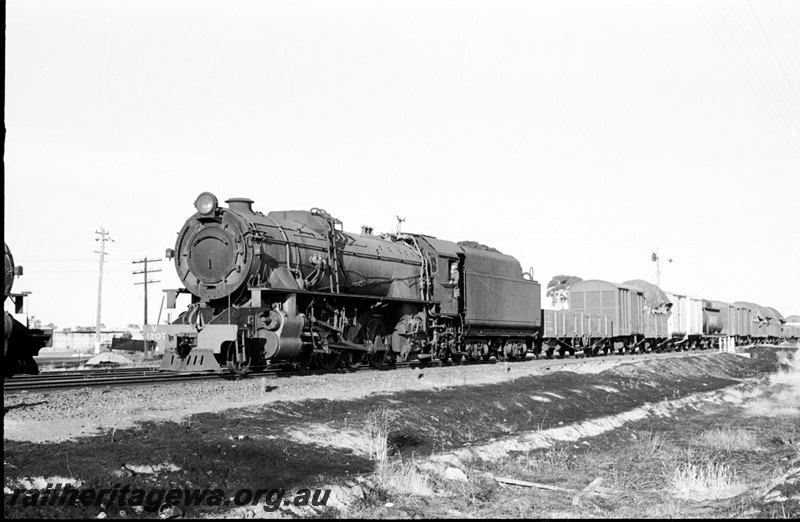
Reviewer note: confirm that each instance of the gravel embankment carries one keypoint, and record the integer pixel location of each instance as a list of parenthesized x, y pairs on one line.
[(64, 415)]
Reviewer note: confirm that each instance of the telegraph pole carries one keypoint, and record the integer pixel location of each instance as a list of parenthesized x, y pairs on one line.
[(146, 282), (103, 233)]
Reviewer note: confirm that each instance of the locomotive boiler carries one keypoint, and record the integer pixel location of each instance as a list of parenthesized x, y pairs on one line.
[(293, 286), (20, 343)]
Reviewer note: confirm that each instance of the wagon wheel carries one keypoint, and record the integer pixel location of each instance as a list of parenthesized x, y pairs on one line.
[(487, 352), (456, 357), (503, 352), (238, 363), (443, 354), (506, 352), (375, 336)]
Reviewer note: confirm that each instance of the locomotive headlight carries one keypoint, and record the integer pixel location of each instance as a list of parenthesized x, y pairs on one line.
[(205, 203)]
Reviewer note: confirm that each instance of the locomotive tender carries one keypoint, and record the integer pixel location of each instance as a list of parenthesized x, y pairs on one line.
[(294, 286), (20, 343)]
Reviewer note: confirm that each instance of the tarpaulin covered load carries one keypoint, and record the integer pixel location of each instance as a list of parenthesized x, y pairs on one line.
[(759, 313), (654, 298), (776, 315)]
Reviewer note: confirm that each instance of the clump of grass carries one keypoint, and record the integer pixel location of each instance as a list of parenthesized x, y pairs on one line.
[(553, 465), (379, 423), (392, 474), (790, 368), (649, 444), (399, 477), (770, 408), (788, 379), (728, 439), (706, 481)]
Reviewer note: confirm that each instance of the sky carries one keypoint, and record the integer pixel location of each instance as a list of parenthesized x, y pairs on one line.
[(577, 136)]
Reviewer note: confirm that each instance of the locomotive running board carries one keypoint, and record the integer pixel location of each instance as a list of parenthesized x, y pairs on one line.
[(340, 295)]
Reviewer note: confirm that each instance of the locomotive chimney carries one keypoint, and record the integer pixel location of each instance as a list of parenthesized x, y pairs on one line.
[(240, 204)]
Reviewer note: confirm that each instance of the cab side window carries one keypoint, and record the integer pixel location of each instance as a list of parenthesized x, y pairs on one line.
[(453, 272)]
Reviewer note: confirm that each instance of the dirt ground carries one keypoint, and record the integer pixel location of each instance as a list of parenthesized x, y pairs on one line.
[(291, 436)]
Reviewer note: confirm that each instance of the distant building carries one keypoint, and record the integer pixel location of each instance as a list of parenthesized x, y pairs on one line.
[(81, 340)]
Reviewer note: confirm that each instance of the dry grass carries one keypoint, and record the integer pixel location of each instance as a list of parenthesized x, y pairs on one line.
[(704, 481), (398, 477), (697, 466), (650, 444), (378, 425), (770, 408), (393, 475), (553, 465), (785, 401), (790, 378), (728, 439)]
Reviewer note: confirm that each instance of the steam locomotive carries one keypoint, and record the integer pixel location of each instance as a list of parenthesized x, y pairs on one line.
[(293, 286), (20, 343)]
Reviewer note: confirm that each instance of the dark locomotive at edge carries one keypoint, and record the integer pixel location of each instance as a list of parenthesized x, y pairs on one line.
[(20, 343)]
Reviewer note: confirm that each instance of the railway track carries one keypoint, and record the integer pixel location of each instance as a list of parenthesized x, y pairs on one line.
[(44, 382), (66, 379), (97, 371), (51, 381)]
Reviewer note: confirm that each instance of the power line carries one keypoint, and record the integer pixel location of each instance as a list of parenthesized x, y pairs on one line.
[(789, 106), (736, 63), (774, 52), (791, 32), (756, 92), (793, 74), (772, 93)]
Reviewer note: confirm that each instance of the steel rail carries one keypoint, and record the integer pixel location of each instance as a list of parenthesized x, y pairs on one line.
[(47, 384), (90, 371), (140, 376)]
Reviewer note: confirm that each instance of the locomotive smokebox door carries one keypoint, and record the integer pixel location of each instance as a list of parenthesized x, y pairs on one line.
[(212, 257)]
